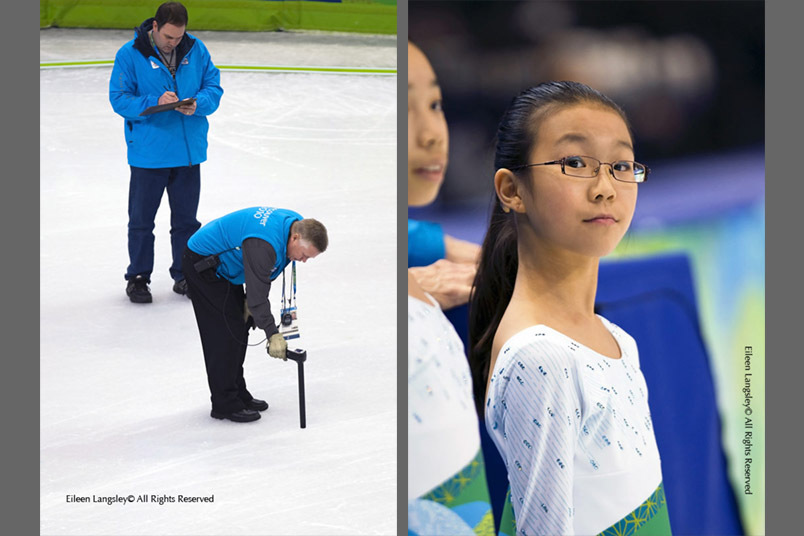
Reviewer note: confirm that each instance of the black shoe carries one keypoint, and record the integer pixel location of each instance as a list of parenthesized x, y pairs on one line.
[(180, 287), (138, 291), (243, 415), (257, 405)]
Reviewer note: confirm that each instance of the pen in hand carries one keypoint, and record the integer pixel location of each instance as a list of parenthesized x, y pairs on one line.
[(168, 96)]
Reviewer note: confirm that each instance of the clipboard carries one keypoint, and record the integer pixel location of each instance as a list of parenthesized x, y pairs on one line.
[(164, 107)]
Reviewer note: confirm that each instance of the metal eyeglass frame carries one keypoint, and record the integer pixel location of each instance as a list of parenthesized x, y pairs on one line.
[(562, 162)]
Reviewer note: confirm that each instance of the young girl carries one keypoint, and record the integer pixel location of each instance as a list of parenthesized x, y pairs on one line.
[(564, 399), (443, 265), (447, 493)]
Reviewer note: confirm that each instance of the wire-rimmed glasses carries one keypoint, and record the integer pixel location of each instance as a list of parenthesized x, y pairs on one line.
[(588, 167)]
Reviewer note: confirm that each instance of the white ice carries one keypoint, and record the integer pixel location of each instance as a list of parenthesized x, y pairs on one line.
[(124, 397)]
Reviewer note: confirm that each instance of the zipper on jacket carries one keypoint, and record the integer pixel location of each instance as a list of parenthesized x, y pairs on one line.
[(183, 127)]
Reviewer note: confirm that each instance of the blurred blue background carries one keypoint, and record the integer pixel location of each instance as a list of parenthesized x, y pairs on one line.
[(690, 76)]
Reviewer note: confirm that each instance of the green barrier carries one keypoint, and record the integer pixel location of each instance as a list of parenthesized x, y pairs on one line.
[(253, 68), (318, 70), (358, 16)]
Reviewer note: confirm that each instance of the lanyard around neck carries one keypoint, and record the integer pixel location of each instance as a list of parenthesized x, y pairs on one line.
[(165, 61), (291, 301)]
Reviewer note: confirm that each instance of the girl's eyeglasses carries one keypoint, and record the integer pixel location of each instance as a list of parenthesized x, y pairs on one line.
[(588, 167)]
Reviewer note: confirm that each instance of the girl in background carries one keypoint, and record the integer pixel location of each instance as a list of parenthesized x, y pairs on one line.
[(447, 492), (564, 399), (443, 265)]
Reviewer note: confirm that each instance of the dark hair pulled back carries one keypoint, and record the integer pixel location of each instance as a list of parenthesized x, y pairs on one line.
[(493, 287)]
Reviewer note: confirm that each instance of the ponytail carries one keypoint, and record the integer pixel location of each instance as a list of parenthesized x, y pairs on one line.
[(493, 288)]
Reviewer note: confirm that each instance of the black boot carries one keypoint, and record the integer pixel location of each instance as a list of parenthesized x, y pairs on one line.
[(243, 415), (138, 291), (257, 404), (180, 287)]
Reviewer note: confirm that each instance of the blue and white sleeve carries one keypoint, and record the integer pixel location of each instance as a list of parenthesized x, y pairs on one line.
[(535, 424)]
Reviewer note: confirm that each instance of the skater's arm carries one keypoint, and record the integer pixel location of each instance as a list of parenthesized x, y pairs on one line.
[(258, 261)]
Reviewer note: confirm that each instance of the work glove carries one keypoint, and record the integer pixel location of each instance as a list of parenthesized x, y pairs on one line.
[(277, 346)]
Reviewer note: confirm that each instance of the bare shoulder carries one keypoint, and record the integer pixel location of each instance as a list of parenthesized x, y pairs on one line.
[(520, 315), (504, 334)]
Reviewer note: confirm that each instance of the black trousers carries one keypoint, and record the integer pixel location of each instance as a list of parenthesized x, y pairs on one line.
[(218, 306)]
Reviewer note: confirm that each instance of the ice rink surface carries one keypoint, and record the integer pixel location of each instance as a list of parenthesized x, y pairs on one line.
[(124, 399)]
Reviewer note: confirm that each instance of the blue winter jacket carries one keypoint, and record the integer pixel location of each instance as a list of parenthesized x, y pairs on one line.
[(224, 237), (139, 78)]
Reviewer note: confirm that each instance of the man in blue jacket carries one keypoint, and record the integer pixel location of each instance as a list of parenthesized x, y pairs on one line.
[(251, 246), (162, 65)]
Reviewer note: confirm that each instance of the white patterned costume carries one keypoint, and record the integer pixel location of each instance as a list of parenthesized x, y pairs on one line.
[(574, 430), (447, 491)]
